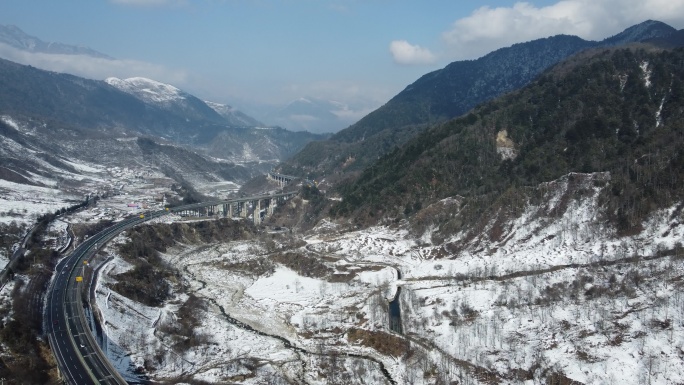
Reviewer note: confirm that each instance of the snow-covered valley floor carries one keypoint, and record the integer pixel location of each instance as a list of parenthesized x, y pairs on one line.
[(550, 300)]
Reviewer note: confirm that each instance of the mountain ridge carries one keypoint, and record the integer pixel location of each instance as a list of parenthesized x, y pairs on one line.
[(167, 97), (600, 112), (15, 37), (143, 108), (446, 93), (234, 116)]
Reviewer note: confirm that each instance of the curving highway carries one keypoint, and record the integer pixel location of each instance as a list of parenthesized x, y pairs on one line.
[(79, 357)]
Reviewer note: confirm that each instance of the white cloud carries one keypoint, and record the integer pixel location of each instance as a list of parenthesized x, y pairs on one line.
[(94, 68), (404, 52), (487, 29)]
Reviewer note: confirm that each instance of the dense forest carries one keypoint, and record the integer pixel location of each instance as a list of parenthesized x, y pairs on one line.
[(451, 92), (613, 110)]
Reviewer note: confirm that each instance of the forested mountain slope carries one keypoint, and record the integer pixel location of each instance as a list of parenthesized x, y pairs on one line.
[(448, 93), (618, 111)]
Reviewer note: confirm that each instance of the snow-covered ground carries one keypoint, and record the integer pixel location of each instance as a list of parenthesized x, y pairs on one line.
[(128, 191), (549, 296), (23, 203), (242, 343), (124, 192), (550, 291)]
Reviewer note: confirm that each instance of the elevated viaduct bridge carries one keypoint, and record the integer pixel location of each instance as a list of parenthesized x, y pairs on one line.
[(257, 206), (281, 179), (80, 359)]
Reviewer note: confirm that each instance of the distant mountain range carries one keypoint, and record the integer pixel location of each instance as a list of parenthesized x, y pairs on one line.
[(15, 37), (234, 116), (52, 120), (168, 98), (313, 115), (137, 106), (310, 114), (451, 92), (48, 154)]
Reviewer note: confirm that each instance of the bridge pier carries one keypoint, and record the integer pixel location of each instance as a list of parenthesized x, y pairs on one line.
[(256, 213), (271, 206), (239, 207), (282, 180)]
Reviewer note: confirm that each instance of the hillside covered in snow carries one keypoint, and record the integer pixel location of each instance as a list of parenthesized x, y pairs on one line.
[(557, 297), (535, 240)]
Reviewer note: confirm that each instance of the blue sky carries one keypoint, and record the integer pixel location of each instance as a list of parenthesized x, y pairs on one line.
[(360, 52)]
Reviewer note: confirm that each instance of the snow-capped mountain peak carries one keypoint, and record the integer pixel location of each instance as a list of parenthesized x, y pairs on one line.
[(177, 101), (220, 108), (147, 89), (234, 116)]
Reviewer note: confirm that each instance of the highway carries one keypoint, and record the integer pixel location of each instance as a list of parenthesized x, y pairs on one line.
[(79, 357)]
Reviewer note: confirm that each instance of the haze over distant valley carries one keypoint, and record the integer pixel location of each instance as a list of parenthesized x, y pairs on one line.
[(260, 57), (342, 193), (302, 114)]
